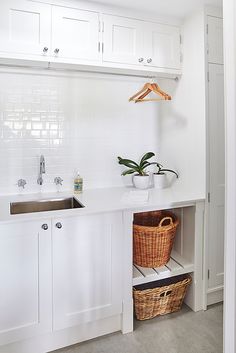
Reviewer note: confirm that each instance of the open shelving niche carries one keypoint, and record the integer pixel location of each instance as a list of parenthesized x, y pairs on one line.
[(182, 256)]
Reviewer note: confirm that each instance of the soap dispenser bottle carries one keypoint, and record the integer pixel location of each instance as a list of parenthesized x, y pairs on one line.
[(78, 184)]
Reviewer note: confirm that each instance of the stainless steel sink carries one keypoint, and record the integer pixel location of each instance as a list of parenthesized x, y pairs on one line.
[(44, 205)]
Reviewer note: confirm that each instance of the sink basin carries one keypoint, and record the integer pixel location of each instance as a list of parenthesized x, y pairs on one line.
[(44, 205)]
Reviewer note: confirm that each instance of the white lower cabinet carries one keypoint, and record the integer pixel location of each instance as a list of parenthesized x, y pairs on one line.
[(56, 274), (87, 269), (66, 280), (25, 272)]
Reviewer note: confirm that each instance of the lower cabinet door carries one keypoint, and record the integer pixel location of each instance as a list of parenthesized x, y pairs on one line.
[(87, 269), (25, 293)]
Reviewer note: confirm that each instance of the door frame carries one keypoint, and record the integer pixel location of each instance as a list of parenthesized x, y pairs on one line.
[(229, 8), (213, 12)]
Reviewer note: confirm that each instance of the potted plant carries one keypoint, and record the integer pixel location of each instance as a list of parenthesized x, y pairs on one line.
[(159, 177), (141, 177)]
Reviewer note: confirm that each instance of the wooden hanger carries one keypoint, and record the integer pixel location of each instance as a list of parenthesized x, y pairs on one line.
[(148, 88), (145, 87)]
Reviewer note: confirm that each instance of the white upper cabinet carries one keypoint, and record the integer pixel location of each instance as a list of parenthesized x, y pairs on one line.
[(75, 34), (25, 294), (162, 46), (32, 30), (215, 40), (87, 269), (136, 42), (24, 27), (123, 40)]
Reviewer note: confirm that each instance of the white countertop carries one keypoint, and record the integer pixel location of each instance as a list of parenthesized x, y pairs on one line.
[(103, 200)]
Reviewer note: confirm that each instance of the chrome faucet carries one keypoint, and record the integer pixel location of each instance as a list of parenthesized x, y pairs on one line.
[(41, 170)]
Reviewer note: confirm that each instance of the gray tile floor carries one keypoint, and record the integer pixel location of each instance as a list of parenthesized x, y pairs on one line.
[(182, 332)]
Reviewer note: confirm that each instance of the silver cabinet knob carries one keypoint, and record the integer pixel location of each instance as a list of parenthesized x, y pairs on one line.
[(149, 60), (56, 51), (58, 225), (45, 226), (45, 49), (140, 60)]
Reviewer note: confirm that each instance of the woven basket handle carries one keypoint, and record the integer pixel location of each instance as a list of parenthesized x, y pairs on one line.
[(165, 293), (165, 219)]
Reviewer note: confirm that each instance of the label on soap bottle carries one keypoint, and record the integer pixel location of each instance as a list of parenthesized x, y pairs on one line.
[(78, 185)]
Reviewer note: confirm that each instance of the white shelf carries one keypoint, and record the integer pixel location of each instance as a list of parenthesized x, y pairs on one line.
[(176, 266)]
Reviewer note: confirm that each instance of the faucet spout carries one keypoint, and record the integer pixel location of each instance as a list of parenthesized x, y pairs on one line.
[(41, 170), (42, 164)]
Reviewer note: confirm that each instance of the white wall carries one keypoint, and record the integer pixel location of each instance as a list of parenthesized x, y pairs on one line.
[(183, 126), (85, 121), (81, 122)]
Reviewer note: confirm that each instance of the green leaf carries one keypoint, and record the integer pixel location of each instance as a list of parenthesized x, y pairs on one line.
[(129, 171), (127, 162), (159, 166), (148, 155), (168, 170), (145, 164)]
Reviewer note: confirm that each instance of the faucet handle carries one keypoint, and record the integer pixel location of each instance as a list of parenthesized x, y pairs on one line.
[(21, 183), (58, 180)]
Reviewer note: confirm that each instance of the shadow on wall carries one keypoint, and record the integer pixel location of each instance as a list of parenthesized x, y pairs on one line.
[(170, 116)]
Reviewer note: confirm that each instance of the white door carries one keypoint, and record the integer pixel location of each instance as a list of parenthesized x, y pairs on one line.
[(216, 177), (25, 291), (87, 269), (215, 40), (123, 40), (25, 27), (75, 33), (162, 46)]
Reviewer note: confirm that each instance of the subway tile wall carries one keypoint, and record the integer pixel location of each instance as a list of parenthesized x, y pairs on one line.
[(77, 122)]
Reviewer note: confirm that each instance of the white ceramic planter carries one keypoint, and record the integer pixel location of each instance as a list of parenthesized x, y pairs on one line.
[(160, 181), (141, 181)]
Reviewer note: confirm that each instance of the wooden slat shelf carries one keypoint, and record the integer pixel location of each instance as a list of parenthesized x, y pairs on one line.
[(176, 266)]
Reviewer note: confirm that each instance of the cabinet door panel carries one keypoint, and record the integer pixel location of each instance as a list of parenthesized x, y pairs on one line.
[(163, 46), (87, 264), (217, 176), (24, 271), (75, 33), (215, 40), (123, 40), (24, 27)]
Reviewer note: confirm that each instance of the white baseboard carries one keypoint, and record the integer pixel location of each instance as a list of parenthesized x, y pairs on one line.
[(215, 296), (64, 338)]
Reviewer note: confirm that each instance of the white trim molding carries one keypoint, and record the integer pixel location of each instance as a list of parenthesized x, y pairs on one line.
[(230, 219)]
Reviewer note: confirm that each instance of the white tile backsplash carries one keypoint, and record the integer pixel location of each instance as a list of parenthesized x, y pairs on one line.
[(77, 122)]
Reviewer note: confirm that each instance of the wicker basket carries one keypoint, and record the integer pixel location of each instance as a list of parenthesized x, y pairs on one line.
[(163, 299), (153, 238)]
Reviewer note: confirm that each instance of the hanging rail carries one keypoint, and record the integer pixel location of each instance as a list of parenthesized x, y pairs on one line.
[(49, 68)]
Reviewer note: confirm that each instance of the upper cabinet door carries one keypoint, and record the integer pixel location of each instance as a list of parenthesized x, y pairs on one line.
[(162, 46), (24, 27), (123, 40), (215, 40), (75, 34)]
